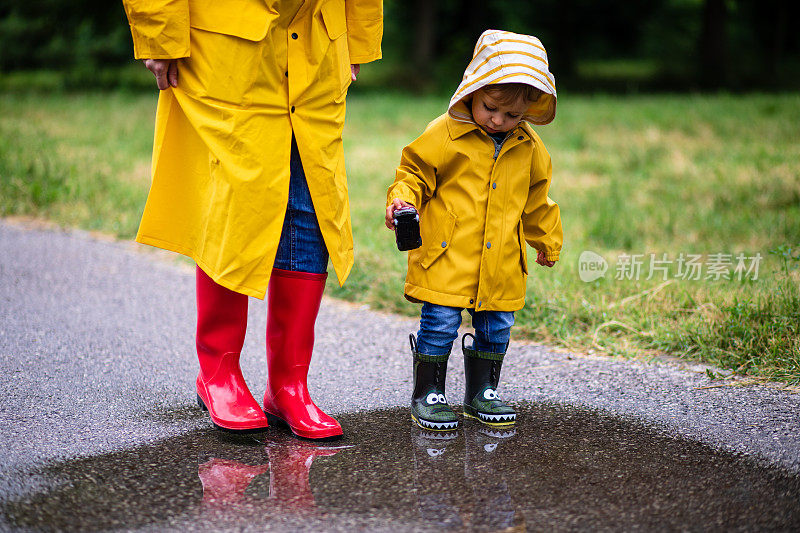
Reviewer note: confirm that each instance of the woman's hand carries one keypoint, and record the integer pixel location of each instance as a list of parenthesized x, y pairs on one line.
[(397, 203), (540, 258), (354, 70), (165, 71)]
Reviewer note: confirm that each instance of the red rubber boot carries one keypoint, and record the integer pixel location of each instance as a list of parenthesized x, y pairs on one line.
[(221, 389), (293, 304)]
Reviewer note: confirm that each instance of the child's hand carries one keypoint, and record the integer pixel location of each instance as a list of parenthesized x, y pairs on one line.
[(542, 261), (397, 203)]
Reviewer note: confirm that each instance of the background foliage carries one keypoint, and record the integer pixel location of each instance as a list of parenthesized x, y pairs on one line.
[(611, 45)]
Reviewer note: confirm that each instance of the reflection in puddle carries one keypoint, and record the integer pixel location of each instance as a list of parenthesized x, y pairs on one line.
[(288, 464), (488, 505), (558, 469)]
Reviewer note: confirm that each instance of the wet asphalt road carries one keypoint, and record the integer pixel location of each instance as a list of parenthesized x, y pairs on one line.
[(98, 426)]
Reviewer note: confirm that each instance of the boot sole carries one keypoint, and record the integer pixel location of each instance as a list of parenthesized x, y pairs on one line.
[(484, 418), (275, 420), (259, 429), (434, 426)]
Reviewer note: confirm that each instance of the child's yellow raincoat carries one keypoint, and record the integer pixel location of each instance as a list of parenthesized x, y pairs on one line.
[(476, 213), (251, 73)]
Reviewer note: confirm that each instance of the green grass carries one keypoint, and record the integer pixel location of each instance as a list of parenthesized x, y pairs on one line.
[(633, 175), (81, 160)]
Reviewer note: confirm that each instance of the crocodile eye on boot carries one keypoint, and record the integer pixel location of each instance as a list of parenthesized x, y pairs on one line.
[(221, 389), (481, 401), (429, 407)]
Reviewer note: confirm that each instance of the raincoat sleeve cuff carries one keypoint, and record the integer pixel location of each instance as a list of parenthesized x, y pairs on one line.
[(364, 30), (402, 192), (159, 28), (545, 234)]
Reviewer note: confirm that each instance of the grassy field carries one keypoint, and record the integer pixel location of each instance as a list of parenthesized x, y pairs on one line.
[(706, 178)]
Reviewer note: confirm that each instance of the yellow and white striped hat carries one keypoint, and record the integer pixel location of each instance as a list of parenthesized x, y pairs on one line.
[(505, 57)]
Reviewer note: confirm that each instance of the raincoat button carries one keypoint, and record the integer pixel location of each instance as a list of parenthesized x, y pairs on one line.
[(480, 303), (294, 36), (494, 185), (292, 109), (471, 301), (488, 245), (520, 138), (444, 244)]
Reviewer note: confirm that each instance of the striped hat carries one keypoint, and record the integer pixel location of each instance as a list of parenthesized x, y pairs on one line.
[(505, 57)]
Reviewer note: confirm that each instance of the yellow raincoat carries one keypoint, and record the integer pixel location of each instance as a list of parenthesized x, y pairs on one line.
[(477, 212), (251, 73)]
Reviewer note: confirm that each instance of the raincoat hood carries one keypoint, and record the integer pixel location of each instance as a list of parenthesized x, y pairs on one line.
[(505, 57)]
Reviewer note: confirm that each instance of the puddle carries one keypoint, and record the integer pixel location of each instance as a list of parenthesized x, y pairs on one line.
[(558, 469)]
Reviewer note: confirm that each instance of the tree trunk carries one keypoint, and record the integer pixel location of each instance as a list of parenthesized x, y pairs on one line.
[(424, 41), (781, 17), (564, 54), (714, 69)]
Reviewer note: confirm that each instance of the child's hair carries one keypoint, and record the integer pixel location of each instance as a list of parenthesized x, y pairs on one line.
[(509, 93)]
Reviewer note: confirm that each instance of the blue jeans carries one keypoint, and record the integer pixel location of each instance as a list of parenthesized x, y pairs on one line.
[(438, 328), (301, 247)]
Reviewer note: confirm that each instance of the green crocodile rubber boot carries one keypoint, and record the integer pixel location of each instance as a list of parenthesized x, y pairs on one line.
[(481, 401), (429, 407)]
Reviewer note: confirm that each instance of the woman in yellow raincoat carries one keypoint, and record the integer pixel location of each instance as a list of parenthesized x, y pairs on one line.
[(249, 177)]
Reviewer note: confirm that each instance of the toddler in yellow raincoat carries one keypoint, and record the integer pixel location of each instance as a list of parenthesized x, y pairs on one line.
[(479, 176)]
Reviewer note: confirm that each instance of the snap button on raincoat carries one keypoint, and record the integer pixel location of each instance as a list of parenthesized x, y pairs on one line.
[(251, 73), (477, 212)]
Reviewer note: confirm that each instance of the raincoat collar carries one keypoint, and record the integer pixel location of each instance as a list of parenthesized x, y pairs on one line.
[(459, 121)]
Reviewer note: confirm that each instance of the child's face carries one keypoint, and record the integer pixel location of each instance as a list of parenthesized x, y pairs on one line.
[(496, 117)]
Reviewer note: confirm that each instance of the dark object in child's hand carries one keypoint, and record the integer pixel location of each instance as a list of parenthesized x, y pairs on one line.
[(406, 229)]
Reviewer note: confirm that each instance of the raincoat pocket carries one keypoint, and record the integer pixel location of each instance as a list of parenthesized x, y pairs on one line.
[(247, 19), (333, 16), (523, 252), (441, 241), (222, 67)]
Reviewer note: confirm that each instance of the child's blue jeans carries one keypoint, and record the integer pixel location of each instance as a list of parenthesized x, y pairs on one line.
[(438, 328), (301, 247)]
